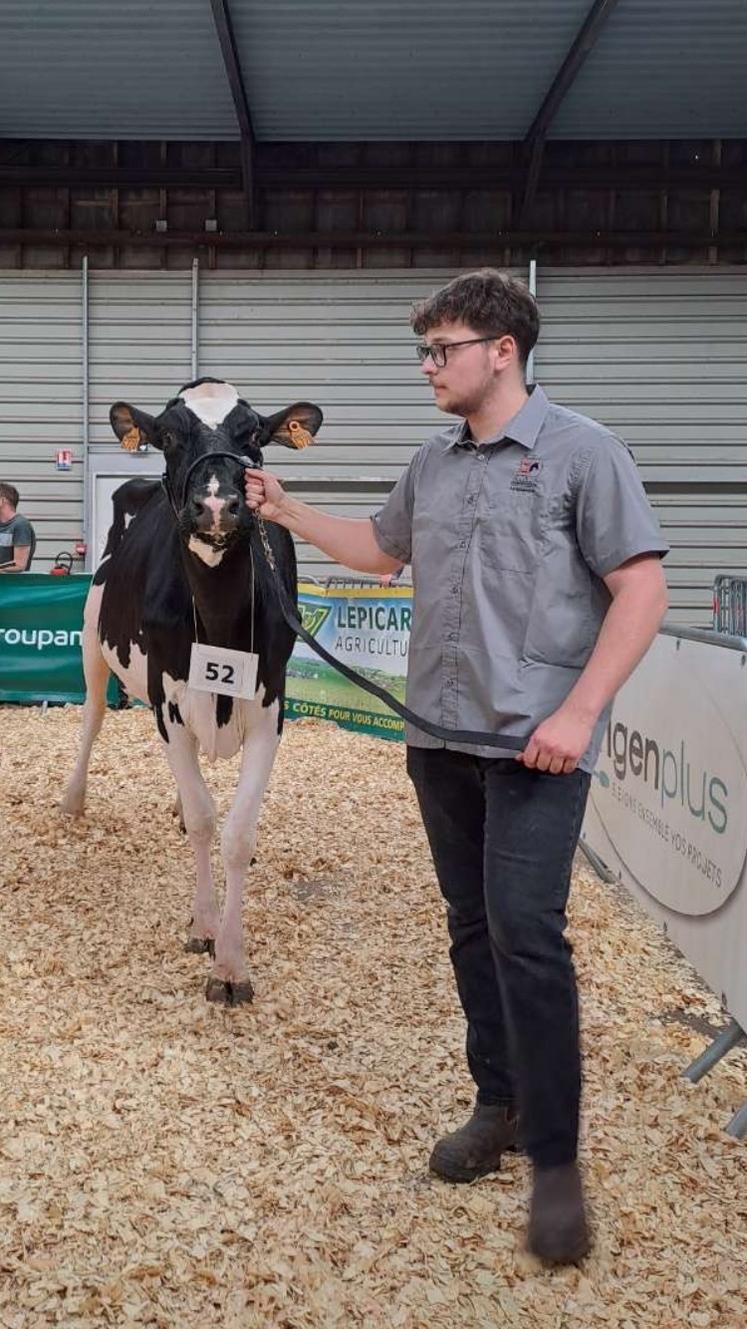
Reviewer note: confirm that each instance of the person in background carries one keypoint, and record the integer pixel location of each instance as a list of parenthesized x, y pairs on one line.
[(17, 535)]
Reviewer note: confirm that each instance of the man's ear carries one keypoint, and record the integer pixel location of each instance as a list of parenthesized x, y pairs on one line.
[(132, 426), (295, 426)]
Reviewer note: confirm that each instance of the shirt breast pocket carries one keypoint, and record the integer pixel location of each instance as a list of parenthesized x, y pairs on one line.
[(511, 535)]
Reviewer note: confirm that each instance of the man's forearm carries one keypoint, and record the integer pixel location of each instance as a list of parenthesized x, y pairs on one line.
[(631, 623), (347, 540)]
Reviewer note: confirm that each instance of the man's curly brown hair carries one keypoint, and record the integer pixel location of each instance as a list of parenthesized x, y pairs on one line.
[(488, 301)]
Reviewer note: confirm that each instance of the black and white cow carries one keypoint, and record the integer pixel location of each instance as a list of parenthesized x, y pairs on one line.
[(184, 560)]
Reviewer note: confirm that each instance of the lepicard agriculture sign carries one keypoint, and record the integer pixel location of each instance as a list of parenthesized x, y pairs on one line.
[(369, 629)]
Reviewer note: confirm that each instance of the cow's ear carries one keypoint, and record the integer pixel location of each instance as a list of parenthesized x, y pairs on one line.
[(295, 426), (133, 427)]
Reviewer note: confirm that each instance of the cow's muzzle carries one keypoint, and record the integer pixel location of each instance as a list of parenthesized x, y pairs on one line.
[(210, 516), (214, 516)]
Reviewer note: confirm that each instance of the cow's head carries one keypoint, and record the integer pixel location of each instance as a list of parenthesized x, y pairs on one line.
[(206, 418)]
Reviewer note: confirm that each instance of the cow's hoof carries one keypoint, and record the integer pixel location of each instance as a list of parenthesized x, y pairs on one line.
[(226, 993), (200, 946)]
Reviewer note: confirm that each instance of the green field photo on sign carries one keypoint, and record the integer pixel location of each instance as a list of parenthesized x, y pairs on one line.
[(361, 628), (317, 691)]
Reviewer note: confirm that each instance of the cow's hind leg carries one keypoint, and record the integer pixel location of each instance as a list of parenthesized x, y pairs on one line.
[(229, 982), (198, 811), (96, 672)]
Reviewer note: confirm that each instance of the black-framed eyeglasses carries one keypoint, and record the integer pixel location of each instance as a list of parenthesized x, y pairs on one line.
[(440, 350)]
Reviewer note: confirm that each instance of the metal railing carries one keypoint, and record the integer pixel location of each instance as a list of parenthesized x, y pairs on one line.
[(730, 605)]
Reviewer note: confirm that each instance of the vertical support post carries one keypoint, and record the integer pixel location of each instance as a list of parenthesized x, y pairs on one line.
[(533, 291), (713, 211), (232, 65), (195, 314), (85, 405)]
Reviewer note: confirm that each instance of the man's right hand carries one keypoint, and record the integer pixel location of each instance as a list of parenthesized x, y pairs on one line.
[(264, 494)]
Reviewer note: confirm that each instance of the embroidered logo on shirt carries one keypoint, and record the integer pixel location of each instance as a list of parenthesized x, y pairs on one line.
[(527, 475)]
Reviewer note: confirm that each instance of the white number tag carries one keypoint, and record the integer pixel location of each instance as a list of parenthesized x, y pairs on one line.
[(217, 669)]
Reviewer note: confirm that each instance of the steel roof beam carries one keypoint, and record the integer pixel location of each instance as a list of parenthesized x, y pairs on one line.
[(584, 43), (542, 239), (706, 175), (224, 30)]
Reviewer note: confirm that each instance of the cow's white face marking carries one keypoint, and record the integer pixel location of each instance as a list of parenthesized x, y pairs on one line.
[(208, 553), (211, 402), (214, 504)]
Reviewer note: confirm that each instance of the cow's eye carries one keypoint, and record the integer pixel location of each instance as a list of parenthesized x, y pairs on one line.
[(170, 441)]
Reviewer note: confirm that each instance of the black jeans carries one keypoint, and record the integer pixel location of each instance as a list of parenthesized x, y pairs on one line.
[(502, 839)]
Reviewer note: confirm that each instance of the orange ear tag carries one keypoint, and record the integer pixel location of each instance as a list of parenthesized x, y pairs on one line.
[(131, 440), (300, 437)]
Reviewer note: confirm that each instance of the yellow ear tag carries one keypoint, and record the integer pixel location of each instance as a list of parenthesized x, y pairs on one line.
[(300, 437), (131, 440)]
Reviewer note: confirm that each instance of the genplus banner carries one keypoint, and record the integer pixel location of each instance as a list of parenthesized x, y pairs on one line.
[(368, 628), (667, 808)]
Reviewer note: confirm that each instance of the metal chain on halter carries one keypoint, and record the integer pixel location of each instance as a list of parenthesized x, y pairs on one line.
[(265, 541), (251, 609)]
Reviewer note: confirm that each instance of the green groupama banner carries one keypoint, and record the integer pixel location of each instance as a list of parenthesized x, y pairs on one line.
[(41, 619), (367, 627)]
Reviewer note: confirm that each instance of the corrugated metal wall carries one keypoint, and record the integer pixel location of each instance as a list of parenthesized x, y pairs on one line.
[(140, 335), (41, 402), (341, 340), (659, 356)]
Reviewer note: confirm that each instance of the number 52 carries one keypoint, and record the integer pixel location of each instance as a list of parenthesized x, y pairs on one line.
[(213, 674)]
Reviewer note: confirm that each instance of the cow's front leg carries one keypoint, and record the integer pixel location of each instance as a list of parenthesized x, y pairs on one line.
[(198, 811), (229, 981)]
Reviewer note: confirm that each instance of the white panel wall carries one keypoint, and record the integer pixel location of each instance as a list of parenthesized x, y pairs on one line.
[(41, 402), (659, 355)]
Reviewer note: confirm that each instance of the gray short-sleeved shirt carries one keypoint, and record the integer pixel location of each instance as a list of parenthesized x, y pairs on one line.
[(509, 543), (17, 531)]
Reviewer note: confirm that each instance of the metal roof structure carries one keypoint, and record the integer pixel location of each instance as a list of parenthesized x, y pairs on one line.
[(336, 70)]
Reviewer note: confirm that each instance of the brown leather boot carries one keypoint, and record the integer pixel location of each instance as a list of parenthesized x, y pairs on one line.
[(475, 1149), (558, 1230)]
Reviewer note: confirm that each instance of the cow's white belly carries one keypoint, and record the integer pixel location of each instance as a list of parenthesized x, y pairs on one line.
[(197, 710)]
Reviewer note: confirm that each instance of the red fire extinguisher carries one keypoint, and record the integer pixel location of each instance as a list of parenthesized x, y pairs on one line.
[(63, 565)]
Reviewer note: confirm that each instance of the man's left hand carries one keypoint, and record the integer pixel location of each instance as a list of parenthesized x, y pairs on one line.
[(558, 744)]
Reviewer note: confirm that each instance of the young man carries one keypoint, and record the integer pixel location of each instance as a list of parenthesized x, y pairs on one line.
[(17, 538), (537, 589)]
